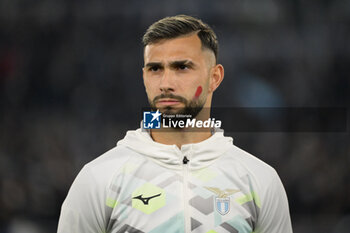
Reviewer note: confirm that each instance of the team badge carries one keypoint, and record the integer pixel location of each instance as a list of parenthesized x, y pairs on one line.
[(222, 200), (222, 205)]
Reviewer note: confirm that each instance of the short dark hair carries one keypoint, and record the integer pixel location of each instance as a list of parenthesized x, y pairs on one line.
[(179, 25)]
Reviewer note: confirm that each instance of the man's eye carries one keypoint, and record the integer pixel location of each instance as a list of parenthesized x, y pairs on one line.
[(182, 67), (154, 68)]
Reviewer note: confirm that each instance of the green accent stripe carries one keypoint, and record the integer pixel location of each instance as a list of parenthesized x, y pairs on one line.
[(249, 197), (111, 203), (256, 199)]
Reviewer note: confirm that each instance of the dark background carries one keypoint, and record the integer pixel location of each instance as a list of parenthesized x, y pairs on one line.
[(71, 85)]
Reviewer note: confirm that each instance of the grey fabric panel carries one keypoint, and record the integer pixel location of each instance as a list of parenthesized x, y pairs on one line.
[(194, 224), (205, 206), (251, 222), (115, 188), (129, 229), (127, 201), (110, 224), (250, 206), (253, 210), (229, 228)]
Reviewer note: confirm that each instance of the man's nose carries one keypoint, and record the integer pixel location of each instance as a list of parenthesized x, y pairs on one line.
[(167, 81)]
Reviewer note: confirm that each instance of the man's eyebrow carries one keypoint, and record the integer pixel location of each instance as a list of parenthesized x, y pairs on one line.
[(152, 64), (182, 62)]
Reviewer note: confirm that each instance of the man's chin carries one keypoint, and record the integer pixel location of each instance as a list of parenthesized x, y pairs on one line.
[(171, 111)]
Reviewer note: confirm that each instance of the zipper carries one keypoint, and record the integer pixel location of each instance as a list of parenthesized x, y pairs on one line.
[(185, 162)]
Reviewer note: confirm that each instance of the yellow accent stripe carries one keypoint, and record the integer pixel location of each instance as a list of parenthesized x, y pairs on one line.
[(249, 197), (111, 203)]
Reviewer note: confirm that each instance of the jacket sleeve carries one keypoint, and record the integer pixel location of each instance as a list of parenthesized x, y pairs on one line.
[(83, 209), (274, 214)]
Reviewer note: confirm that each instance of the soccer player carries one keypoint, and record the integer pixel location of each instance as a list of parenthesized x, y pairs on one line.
[(183, 179)]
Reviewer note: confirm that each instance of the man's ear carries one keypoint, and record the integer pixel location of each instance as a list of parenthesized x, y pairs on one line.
[(143, 76), (216, 77)]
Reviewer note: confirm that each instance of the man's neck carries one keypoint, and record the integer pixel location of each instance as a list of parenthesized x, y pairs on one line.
[(180, 137)]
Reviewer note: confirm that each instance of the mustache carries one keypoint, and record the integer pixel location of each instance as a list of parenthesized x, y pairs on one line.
[(169, 96)]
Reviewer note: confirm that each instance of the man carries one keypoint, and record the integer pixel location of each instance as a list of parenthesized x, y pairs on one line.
[(184, 179)]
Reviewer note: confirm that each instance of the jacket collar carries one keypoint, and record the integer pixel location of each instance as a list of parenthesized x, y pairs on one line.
[(200, 154)]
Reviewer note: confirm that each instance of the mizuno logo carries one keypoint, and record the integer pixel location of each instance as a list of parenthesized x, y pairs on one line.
[(145, 200)]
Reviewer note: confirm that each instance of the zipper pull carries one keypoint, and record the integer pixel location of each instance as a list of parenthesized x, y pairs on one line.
[(185, 160)]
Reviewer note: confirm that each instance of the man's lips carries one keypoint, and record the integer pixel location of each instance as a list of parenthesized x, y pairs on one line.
[(168, 101)]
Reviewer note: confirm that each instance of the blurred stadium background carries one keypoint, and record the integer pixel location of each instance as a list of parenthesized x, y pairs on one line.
[(71, 85)]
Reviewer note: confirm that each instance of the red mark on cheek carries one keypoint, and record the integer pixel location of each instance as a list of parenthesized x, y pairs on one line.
[(198, 92)]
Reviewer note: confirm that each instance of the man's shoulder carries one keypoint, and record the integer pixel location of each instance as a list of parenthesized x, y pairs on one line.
[(115, 154), (248, 164), (111, 161)]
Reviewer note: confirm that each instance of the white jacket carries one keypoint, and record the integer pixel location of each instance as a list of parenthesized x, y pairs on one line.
[(144, 186)]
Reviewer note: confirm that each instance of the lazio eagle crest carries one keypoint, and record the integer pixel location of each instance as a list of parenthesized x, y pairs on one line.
[(222, 200)]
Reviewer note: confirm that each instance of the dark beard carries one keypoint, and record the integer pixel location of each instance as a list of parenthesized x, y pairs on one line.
[(192, 108)]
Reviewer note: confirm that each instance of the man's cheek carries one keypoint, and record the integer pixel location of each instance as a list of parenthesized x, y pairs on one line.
[(198, 92)]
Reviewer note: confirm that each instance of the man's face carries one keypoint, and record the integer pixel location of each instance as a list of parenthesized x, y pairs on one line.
[(177, 75)]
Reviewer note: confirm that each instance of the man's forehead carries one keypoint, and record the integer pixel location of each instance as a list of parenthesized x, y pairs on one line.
[(187, 37), (183, 44), (187, 47)]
